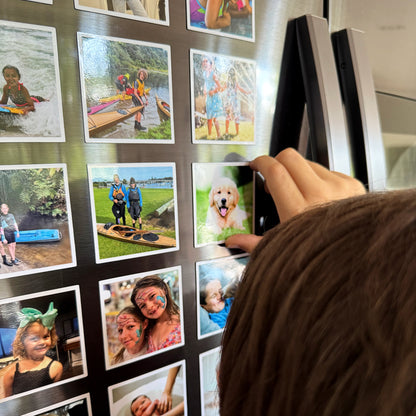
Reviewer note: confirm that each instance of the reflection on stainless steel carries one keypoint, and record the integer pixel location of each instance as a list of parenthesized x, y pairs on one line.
[(271, 21)]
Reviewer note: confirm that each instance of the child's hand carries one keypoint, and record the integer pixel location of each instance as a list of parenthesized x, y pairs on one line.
[(296, 185)]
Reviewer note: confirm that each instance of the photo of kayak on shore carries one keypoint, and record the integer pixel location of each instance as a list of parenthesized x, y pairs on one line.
[(126, 89), (134, 209)]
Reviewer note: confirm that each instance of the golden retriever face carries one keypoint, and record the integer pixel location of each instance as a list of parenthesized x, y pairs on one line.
[(224, 197)]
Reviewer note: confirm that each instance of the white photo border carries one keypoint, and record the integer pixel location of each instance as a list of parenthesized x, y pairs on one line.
[(73, 263), (143, 377), (214, 351), (76, 290), (197, 273), (217, 32), (195, 165), (85, 397), (52, 31), (93, 213), (138, 276), (78, 6), (165, 47), (194, 52)]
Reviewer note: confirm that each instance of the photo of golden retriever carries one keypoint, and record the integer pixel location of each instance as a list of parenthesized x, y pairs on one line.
[(223, 211)]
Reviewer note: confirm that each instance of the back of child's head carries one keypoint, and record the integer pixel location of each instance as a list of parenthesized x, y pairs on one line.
[(324, 322)]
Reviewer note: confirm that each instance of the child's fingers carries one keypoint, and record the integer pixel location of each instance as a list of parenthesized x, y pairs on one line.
[(286, 194), (246, 242)]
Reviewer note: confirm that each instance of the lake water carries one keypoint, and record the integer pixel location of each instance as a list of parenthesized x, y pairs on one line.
[(39, 255), (159, 86)]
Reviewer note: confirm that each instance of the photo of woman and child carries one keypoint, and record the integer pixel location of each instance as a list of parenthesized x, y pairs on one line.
[(161, 392), (141, 315), (224, 95), (217, 282), (33, 342)]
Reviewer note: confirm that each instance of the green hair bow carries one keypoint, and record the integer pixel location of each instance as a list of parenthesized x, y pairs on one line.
[(28, 315)]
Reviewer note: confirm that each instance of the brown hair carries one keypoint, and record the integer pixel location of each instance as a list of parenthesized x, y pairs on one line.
[(134, 311), (324, 322), (155, 281), (21, 334)]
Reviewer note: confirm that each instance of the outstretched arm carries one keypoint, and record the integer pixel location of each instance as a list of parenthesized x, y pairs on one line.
[(165, 402), (296, 184)]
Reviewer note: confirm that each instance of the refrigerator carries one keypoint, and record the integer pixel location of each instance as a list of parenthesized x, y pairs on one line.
[(158, 97)]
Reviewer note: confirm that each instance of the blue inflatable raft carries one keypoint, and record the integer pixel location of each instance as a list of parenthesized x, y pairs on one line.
[(39, 236)]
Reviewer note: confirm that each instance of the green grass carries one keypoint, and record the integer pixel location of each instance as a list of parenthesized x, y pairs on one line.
[(246, 132), (202, 204), (161, 132), (108, 247)]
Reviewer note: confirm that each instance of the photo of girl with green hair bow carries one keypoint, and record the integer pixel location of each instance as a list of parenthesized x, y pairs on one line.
[(35, 336)]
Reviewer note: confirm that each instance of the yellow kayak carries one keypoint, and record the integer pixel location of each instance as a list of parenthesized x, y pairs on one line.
[(122, 97)]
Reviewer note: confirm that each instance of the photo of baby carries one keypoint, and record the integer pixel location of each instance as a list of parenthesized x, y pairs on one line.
[(223, 98), (31, 102), (141, 315), (223, 201), (42, 341), (217, 281), (161, 392)]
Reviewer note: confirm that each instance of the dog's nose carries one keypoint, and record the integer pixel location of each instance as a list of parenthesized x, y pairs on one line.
[(223, 201)]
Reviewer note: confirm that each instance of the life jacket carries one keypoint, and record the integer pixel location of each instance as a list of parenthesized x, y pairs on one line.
[(117, 192), (139, 87), (134, 194)]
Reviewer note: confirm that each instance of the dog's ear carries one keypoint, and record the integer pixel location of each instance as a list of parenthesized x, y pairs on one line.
[(211, 196), (236, 195)]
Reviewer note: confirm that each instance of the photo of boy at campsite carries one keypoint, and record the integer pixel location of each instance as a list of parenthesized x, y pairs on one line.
[(134, 209), (127, 91)]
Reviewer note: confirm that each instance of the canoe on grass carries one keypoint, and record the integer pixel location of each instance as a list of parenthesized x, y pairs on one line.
[(100, 107), (133, 235), (39, 236), (101, 121), (163, 109), (7, 109)]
